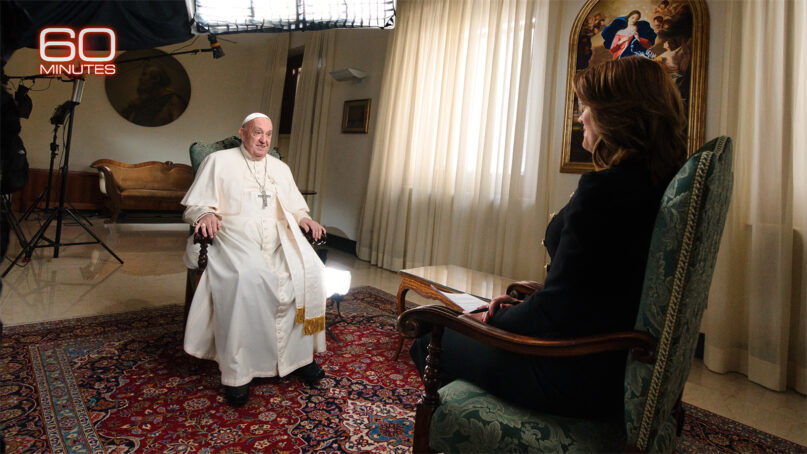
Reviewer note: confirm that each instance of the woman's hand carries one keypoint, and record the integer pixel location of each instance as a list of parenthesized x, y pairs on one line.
[(500, 302), (478, 314), (485, 312), (208, 224)]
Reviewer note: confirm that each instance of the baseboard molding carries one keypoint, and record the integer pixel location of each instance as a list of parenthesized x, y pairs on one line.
[(342, 244)]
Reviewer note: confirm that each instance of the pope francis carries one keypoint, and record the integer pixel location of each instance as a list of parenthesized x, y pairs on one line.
[(259, 309)]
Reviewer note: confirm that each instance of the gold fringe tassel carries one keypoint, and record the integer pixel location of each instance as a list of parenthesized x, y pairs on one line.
[(311, 325), (314, 325)]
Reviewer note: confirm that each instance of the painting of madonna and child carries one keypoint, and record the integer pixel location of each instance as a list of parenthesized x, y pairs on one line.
[(670, 32)]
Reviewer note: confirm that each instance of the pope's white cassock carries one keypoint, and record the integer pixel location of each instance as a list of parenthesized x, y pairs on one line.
[(259, 309)]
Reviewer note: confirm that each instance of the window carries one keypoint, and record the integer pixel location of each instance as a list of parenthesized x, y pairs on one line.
[(294, 65), (238, 16)]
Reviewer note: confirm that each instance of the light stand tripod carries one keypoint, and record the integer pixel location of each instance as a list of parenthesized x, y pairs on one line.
[(57, 120), (45, 194), (59, 211)]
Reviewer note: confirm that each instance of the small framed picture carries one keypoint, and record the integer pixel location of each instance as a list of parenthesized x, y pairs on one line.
[(356, 116)]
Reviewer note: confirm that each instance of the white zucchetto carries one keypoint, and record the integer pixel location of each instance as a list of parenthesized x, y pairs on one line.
[(253, 116)]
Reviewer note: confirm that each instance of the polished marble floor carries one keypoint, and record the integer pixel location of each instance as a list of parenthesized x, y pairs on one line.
[(86, 280)]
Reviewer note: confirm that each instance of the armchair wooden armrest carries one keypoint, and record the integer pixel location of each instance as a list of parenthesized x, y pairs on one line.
[(434, 318), (203, 242), (522, 289), (320, 242), (192, 281), (418, 321)]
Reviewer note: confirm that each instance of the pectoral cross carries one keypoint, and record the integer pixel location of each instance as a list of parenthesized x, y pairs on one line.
[(263, 195)]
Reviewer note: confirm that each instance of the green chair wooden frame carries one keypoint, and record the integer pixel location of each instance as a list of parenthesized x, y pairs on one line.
[(660, 349)]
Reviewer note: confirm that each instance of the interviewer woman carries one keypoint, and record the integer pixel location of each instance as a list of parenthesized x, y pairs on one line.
[(634, 127)]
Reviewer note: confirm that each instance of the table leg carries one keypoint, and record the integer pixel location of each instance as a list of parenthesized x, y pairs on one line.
[(401, 300)]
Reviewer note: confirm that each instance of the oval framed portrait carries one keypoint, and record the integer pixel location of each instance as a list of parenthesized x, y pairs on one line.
[(151, 87)]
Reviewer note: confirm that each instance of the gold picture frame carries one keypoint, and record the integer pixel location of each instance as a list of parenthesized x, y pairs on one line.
[(683, 26), (356, 116)]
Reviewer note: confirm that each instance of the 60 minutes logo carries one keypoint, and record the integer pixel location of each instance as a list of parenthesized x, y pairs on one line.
[(75, 48)]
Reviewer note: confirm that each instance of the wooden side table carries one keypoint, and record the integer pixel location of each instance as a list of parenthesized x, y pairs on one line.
[(449, 279)]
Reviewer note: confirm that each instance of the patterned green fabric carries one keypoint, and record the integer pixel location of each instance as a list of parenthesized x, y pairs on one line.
[(199, 151), (471, 420), (682, 256), (683, 251)]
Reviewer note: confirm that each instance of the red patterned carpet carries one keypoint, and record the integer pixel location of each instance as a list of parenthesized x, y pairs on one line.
[(121, 383)]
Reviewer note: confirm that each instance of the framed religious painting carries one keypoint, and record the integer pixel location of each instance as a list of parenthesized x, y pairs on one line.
[(673, 33)]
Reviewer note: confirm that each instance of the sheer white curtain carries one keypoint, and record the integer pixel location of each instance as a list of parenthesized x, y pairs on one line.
[(462, 137), (756, 319), (272, 95), (307, 144)]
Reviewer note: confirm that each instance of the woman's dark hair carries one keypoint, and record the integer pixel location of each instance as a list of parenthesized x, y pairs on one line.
[(637, 12), (636, 107)]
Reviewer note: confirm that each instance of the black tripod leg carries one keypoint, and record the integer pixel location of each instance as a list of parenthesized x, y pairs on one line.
[(78, 221), (17, 230), (32, 206), (333, 336), (78, 213), (29, 250), (12, 220)]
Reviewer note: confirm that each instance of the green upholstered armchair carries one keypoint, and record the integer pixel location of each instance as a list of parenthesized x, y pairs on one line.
[(461, 417)]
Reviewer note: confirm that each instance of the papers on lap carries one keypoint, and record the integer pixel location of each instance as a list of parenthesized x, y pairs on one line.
[(464, 300)]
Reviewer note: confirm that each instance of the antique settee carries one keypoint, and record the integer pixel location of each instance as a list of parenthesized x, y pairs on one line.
[(150, 185)]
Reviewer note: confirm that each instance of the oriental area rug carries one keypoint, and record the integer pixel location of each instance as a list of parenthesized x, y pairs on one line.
[(122, 383)]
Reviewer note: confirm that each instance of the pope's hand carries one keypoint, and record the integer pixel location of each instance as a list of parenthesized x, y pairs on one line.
[(208, 225), (310, 225)]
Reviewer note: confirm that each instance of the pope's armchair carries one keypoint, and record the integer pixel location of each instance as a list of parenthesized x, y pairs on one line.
[(461, 417), (198, 152)]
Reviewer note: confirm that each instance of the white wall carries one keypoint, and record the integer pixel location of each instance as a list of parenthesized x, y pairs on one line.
[(348, 158)]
